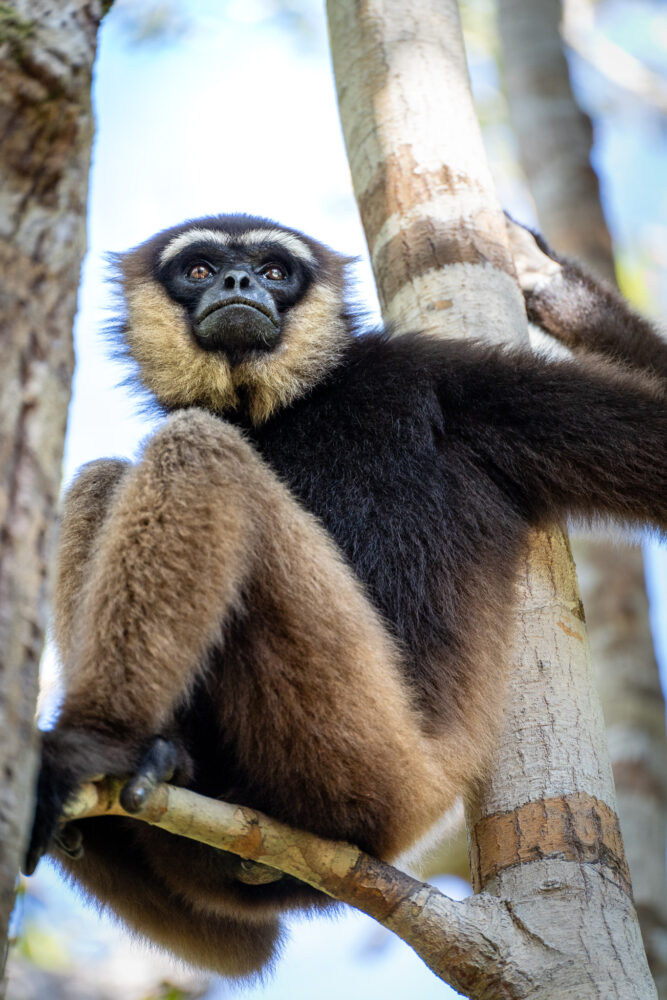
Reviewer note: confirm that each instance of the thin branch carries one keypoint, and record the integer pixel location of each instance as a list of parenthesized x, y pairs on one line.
[(474, 945)]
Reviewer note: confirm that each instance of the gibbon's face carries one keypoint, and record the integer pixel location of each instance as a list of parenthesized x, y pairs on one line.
[(236, 290), (232, 307)]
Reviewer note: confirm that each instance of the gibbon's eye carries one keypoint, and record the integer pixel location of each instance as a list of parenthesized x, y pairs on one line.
[(274, 272), (198, 271)]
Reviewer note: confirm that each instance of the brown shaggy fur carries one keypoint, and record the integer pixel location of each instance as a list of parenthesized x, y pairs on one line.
[(315, 653), (315, 641)]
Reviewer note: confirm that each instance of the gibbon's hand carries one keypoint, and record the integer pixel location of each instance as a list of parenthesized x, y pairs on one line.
[(533, 260), (71, 756)]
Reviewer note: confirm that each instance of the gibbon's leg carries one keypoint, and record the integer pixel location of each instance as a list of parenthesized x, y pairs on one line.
[(85, 508), (111, 866), (204, 549), (170, 560), (582, 312)]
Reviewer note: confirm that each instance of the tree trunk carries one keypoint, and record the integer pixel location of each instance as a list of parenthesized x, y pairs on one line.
[(437, 243), (553, 134), (46, 127), (555, 138)]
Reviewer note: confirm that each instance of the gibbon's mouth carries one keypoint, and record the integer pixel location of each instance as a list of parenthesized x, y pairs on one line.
[(237, 300), (237, 327)]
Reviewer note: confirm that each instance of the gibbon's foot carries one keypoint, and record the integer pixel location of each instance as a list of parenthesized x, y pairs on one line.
[(59, 774), (158, 764), (72, 755)]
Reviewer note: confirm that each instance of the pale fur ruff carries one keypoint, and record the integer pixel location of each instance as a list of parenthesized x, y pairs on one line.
[(180, 373)]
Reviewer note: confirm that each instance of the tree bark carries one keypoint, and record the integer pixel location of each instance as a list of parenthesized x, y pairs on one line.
[(46, 128), (436, 238), (555, 139)]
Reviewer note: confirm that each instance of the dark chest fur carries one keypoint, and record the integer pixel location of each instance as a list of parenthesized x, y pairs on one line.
[(372, 456)]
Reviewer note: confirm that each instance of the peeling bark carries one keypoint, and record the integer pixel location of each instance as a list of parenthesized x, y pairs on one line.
[(46, 127)]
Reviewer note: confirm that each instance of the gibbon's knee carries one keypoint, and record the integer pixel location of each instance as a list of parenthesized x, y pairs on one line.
[(193, 442)]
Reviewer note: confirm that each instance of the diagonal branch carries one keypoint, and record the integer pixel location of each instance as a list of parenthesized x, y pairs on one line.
[(475, 945)]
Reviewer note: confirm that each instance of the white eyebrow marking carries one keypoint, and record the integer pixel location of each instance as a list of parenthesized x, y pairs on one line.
[(287, 240), (218, 237), (194, 235)]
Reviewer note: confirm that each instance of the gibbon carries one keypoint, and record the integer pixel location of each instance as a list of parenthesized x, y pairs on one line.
[(299, 597)]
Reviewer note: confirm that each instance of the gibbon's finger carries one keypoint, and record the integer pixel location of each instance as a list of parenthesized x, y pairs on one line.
[(157, 765)]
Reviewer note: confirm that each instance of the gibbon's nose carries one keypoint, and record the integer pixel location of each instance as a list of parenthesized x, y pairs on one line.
[(236, 280), (236, 314)]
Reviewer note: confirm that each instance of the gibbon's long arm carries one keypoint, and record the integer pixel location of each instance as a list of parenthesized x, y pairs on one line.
[(562, 438)]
